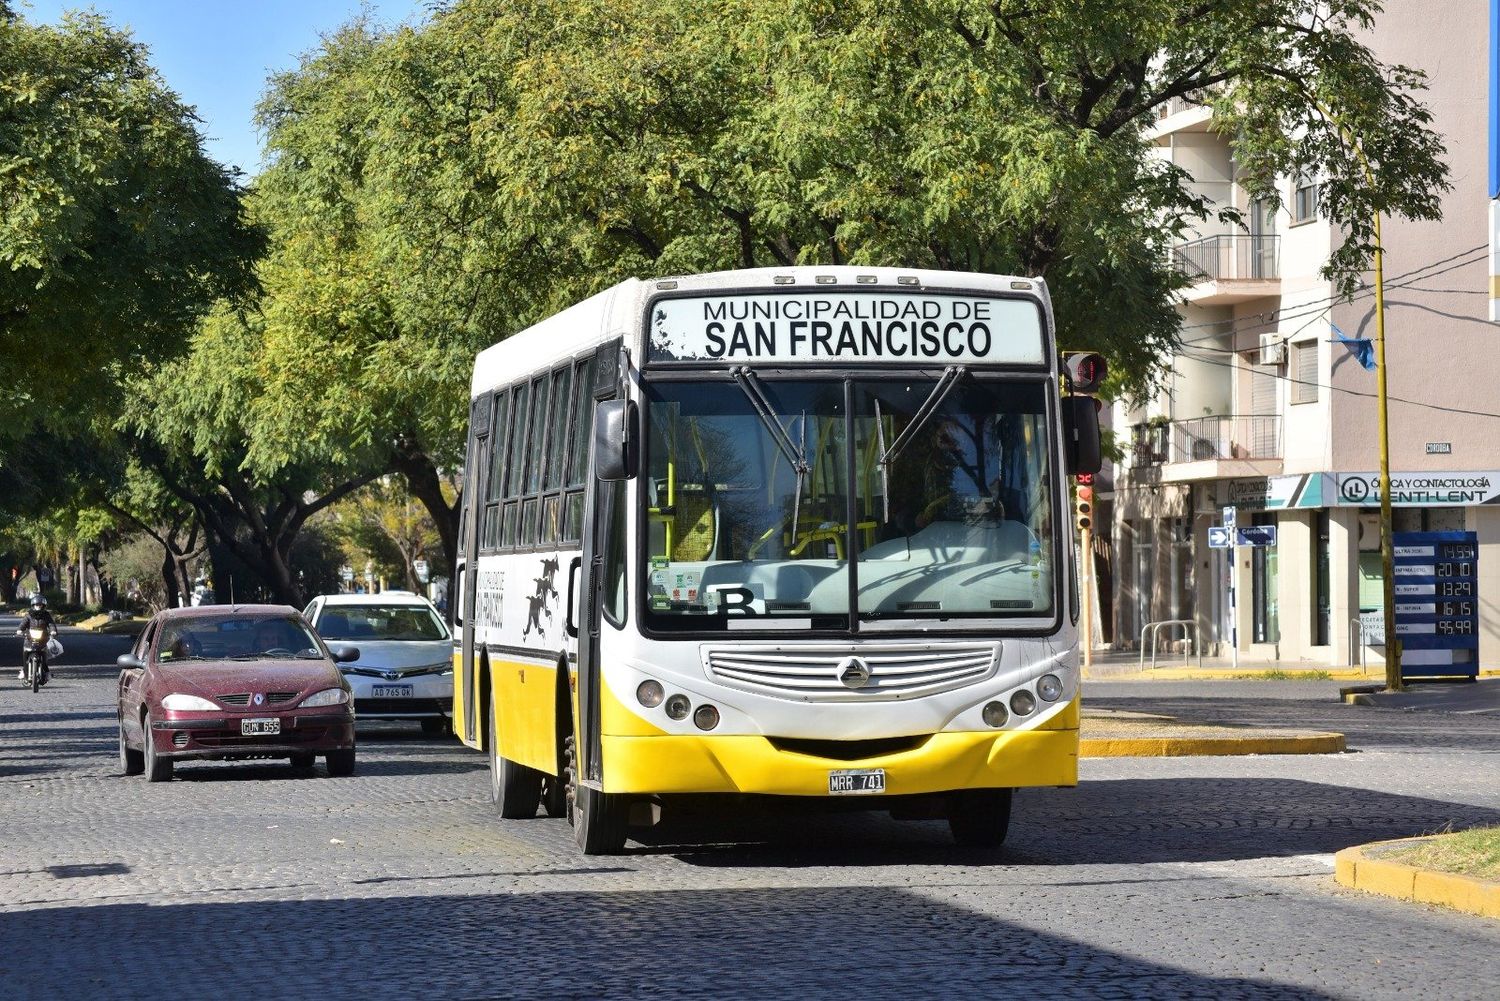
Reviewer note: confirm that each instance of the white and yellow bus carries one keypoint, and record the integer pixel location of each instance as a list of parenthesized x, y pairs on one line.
[(800, 532)]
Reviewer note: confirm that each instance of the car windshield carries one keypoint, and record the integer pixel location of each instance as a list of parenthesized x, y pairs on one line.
[(236, 637), (380, 622), (949, 489)]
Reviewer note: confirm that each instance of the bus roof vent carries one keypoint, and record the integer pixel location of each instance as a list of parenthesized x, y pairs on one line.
[(667, 285), (784, 280), (826, 280), (865, 279), (1020, 285), (907, 280)]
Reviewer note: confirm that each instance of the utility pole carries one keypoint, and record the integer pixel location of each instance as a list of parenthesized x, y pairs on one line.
[(1387, 543)]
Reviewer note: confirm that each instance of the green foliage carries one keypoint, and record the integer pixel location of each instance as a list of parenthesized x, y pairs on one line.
[(115, 229)]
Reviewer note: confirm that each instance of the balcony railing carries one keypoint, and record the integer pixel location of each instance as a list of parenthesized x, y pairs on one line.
[(1226, 437), (1229, 257), (1198, 439)]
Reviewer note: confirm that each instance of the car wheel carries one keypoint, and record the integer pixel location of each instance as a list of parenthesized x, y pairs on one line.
[(303, 760), (598, 818), (132, 762), (514, 789), (157, 768), (438, 726), (340, 762), (979, 818)]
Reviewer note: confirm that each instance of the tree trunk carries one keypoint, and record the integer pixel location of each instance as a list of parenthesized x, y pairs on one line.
[(426, 486), (169, 577)]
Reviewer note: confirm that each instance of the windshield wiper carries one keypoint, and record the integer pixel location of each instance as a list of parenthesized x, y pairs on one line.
[(950, 378), (795, 454)]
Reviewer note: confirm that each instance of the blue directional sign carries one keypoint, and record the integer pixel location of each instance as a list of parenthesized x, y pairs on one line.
[(1219, 537), (1255, 535), (1437, 605)]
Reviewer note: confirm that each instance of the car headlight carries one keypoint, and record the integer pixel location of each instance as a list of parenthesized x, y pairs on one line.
[(327, 697), (178, 702)]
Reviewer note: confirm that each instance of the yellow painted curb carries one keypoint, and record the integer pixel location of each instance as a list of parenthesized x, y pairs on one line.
[(1358, 871), (1186, 747)]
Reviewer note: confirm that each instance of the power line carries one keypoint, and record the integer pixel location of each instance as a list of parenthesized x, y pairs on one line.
[(1317, 306)]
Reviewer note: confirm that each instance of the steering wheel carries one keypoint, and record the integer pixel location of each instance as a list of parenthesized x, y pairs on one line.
[(276, 651)]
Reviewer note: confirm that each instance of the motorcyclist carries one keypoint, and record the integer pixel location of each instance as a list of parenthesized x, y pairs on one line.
[(36, 616)]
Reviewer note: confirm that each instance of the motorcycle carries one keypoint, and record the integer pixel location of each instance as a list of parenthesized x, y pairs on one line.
[(34, 643)]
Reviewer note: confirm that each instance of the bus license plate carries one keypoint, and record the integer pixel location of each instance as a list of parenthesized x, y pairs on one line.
[(258, 727), (849, 782), (391, 691)]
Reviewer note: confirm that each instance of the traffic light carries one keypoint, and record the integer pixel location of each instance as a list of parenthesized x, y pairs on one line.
[(1085, 371), (1085, 506)]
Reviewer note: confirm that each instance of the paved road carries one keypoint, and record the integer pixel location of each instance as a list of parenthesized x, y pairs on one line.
[(1155, 878)]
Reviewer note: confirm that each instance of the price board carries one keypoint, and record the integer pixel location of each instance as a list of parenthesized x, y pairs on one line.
[(1437, 603)]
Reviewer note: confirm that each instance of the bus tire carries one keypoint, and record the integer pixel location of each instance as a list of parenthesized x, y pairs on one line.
[(979, 818), (598, 818), (514, 789)]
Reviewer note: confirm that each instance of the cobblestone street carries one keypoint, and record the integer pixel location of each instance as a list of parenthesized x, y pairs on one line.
[(1155, 878)]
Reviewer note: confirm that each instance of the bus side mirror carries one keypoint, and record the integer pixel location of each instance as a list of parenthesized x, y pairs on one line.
[(1081, 450), (614, 440)]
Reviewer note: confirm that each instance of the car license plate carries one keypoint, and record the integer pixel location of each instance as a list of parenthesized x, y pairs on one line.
[(259, 727), (391, 691), (856, 782)]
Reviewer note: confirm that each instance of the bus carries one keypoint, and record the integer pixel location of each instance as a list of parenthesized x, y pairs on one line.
[(799, 532)]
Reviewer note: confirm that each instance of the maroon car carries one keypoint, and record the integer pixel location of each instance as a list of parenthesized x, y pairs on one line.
[(233, 681)]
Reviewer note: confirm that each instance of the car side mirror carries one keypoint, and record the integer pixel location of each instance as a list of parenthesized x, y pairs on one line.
[(615, 448), (1080, 422), (343, 653), (130, 662)]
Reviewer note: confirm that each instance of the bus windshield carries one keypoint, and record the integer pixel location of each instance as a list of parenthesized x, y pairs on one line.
[(945, 479)]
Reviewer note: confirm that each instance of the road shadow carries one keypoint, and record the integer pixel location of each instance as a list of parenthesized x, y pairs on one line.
[(744, 943), (1119, 822)]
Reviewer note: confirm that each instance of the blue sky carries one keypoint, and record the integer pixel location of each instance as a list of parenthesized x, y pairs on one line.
[(217, 53)]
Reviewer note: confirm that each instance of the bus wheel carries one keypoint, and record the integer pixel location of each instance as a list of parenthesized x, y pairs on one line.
[(979, 818), (514, 789), (598, 818)]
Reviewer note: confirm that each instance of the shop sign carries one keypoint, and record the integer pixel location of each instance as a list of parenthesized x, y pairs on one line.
[(1435, 489)]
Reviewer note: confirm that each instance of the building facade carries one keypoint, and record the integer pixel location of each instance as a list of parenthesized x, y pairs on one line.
[(1267, 411)]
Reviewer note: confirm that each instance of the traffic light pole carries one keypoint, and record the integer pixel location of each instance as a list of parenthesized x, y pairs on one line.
[(1086, 594)]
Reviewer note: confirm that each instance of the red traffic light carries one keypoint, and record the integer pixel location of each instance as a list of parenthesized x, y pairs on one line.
[(1085, 494), (1085, 371)]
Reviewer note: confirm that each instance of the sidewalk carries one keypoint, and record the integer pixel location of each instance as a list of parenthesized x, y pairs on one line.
[(1125, 665), (1480, 698)]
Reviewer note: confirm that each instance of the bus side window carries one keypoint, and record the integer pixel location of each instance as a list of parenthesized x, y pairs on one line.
[(510, 521), (578, 450)]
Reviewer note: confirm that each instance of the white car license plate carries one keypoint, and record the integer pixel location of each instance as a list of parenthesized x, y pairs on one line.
[(259, 727), (856, 782), (392, 691)]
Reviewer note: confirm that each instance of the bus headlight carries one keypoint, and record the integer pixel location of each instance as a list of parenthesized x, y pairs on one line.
[(649, 694), (1022, 703), (678, 707), (707, 717), (1049, 688), (994, 714)]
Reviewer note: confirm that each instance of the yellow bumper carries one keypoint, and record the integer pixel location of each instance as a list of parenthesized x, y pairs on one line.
[(751, 764)]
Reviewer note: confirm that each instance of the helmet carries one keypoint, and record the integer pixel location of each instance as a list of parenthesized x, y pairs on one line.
[(38, 601)]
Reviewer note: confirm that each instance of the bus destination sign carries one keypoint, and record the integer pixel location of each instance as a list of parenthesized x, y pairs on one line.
[(846, 327)]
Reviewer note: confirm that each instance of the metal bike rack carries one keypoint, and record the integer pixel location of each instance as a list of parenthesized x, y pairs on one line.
[(1154, 628), (1357, 626)]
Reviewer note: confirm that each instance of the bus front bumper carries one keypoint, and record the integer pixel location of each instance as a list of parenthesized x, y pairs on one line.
[(945, 762)]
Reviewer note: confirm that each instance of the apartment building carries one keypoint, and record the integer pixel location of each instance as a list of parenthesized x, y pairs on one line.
[(1267, 411)]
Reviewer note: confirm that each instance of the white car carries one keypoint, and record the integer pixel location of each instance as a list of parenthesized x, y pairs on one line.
[(405, 665)]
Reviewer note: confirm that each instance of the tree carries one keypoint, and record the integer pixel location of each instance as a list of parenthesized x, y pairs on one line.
[(116, 230), (533, 152)]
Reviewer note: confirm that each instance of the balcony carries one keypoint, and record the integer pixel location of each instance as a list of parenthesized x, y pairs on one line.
[(1229, 267), (1182, 114), (1209, 448)]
